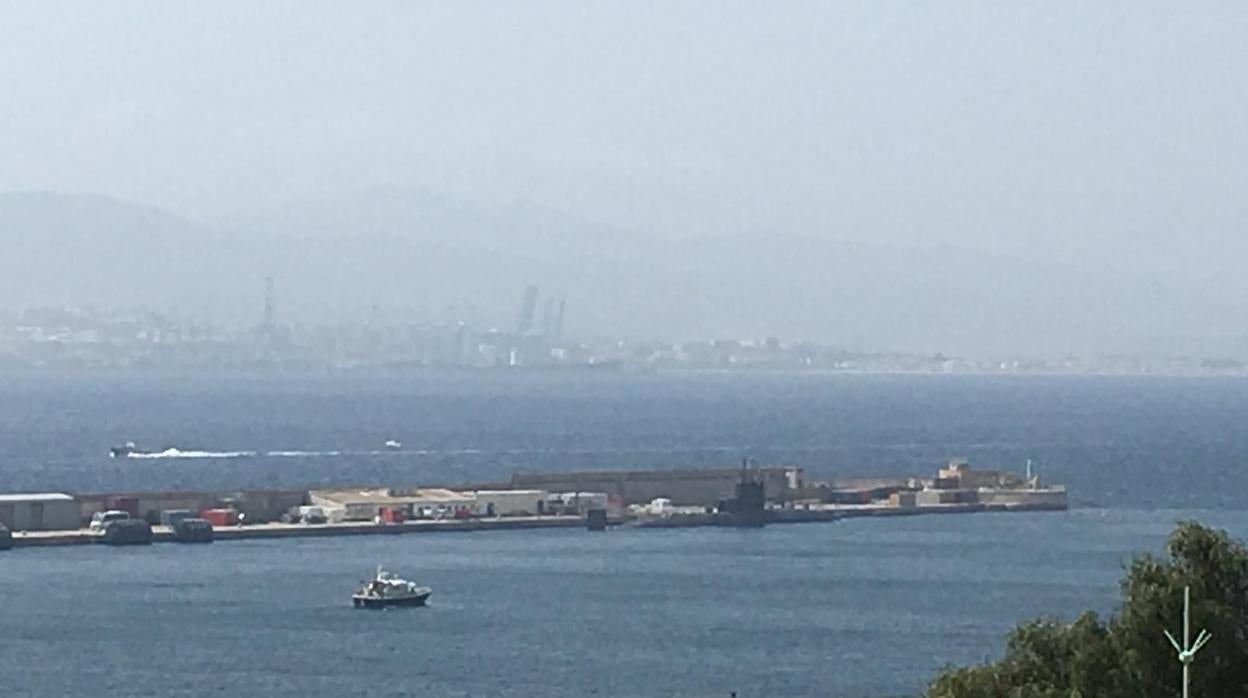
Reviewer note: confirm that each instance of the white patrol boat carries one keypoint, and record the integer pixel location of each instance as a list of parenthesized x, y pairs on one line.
[(385, 589)]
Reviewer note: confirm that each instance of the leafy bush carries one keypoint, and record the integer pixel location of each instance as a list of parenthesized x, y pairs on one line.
[(1127, 656)]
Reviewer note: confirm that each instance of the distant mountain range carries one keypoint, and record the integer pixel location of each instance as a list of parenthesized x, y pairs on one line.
[(413, 254)]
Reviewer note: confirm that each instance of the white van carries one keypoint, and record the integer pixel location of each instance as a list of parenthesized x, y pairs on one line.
[(103, 518)]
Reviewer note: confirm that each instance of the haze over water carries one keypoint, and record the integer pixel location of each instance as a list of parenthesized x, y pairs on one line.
[(1053, 186), (1044, 180), (857, 608)]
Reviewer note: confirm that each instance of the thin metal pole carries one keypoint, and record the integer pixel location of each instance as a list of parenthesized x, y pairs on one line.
[(1187, 601), (1185, 666), (1187, 651)]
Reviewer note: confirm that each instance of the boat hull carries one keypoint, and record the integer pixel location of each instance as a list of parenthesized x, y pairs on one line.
[(375, 602)]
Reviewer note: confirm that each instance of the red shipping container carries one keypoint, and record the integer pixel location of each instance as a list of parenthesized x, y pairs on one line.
[(391, 515), (220, 517), (130, 505)]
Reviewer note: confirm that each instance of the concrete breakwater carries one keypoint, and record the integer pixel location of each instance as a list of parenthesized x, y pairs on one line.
[(643, 498), (162, 534)]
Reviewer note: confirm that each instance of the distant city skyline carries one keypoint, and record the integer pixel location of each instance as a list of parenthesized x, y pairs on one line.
[(137, 339)]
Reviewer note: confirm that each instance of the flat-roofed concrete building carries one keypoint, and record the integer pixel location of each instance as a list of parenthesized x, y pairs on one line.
[(366, 504), (959, 475), (40, 512)]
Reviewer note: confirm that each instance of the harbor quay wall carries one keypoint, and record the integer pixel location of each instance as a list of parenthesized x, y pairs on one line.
[(684, 487), (289, 530), (161, 534), (1048, 498)]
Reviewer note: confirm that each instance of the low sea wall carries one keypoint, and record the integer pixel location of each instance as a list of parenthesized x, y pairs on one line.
[(683, 486), (162, 534)]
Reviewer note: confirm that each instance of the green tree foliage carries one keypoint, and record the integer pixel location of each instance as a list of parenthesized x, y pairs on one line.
[(1127, 656)]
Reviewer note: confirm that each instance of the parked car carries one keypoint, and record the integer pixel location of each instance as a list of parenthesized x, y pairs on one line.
[(171, 517), (311, 515), (102, 519)]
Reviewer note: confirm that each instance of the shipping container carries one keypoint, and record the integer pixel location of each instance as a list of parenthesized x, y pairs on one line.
[(392, 515), (130, 505), (220, 517)]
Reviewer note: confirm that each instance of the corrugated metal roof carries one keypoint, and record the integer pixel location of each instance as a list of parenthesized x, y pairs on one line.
[(36, 497)]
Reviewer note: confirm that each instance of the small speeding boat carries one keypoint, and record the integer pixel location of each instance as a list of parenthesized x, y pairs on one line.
[(385, 589), (129, 449), (393, 445), (123, 450)]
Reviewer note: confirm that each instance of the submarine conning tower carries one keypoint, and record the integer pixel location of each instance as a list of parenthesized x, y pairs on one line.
[(748, 506)]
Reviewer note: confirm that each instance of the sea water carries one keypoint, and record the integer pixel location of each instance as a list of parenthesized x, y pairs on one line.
[(869, 608)]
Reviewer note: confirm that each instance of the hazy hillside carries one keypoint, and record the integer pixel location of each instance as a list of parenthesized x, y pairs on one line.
[(953, 299), (91, 250), (414, 255)]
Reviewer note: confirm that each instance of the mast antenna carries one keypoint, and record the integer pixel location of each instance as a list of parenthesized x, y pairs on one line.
[(1187, 651)]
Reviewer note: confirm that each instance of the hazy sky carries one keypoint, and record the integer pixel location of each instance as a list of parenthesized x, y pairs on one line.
[(1108, 133)]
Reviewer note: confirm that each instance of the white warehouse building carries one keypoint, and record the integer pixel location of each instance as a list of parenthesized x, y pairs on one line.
[(510, 502), (40, 512)]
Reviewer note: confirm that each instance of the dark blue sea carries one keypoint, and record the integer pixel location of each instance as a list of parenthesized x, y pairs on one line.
[(858, 608)]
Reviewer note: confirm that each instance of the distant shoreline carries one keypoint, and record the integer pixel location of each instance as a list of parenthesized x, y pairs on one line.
[(568, 372)]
